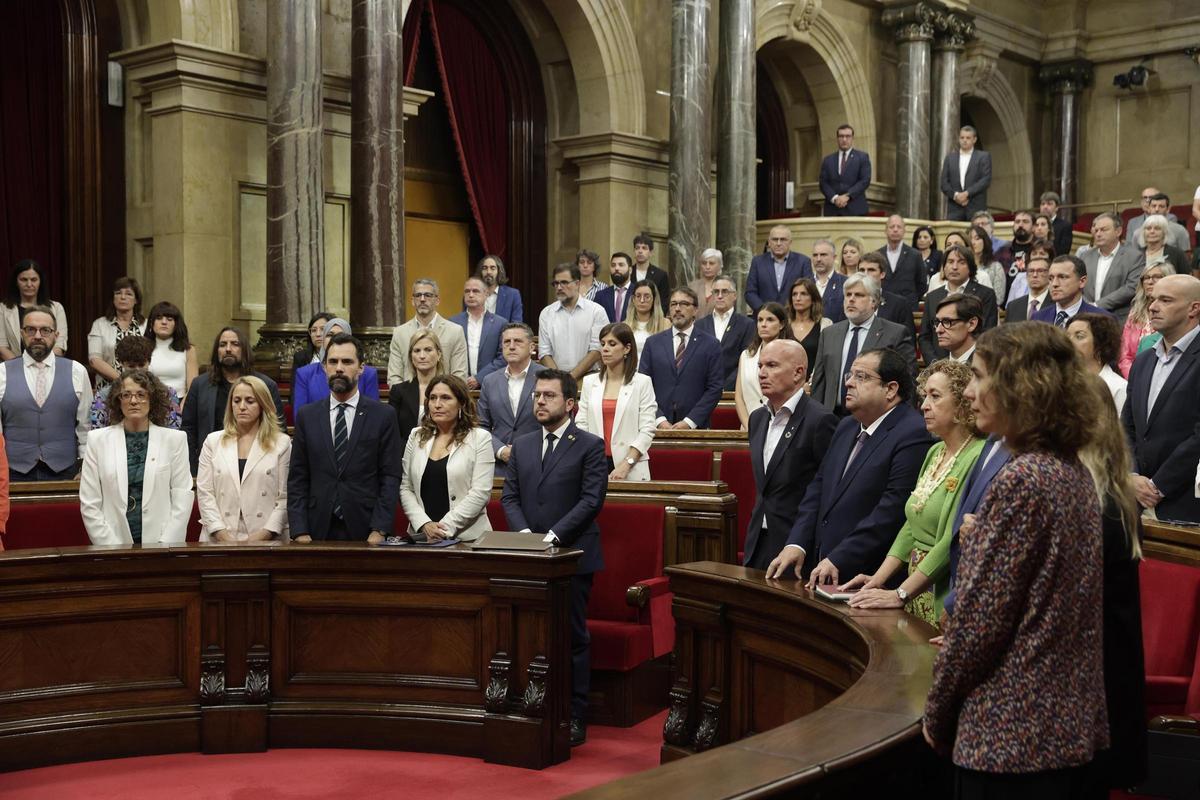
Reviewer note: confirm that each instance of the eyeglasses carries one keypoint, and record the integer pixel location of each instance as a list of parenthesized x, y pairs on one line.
[(558, 284), (424, 295), (134, 397), (536, 395), (857, 376), (945, 322), (1036, 271), (680, 304), (29, 330)]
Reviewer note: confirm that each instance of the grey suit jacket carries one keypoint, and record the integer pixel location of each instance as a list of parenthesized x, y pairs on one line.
[(495, 410), (979, 178), (1120, 283), (828, 371)]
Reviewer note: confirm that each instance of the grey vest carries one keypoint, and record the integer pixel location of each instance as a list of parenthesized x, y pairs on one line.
[(45, 434)]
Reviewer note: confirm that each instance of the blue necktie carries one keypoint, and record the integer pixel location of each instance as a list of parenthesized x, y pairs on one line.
[(550, 437), (1060, 319), (851, 354), (340, 441)]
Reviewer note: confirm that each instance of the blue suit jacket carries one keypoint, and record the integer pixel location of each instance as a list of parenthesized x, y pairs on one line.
[(1048, 312), (606, 298), (565, 497), (310, 384), (738, 335), (693, 390), (852, 519), (833, 302), (760, 281), (978, 481), (490, 359), (368, 484), (508, 304), (854, 180)]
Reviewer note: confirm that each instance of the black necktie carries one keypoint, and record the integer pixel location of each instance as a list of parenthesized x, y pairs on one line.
[(340, 441), (550, 437), (851, 354)]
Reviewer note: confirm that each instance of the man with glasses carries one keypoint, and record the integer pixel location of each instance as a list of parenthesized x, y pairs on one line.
[(685, 366), (425, 301), (1037, 274), (733, 330), (569, 328), (44, 405), (1068, 276), (957, 320)]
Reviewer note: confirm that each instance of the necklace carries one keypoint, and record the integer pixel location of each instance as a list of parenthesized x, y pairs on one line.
[(933, 478)]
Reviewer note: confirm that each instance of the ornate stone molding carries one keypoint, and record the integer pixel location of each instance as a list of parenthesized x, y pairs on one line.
[(212, 679), (675, 729), (953, 30), (495, 696), (1067, 77), (913, 23), (804, 14), (533, 704)]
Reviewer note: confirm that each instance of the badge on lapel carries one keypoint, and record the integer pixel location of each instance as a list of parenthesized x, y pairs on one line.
[(570, 437)]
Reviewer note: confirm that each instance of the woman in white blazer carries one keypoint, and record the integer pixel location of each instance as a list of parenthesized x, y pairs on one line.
[(241, 482), (135, 486), (618, 405), (448, 467)]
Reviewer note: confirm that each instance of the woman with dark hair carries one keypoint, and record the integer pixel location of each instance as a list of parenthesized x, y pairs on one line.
[(309, 383), (134, 352), (311, 352), (1097, 339), (618, 405), (1043, 227), (924, 241), (174, 357), (26, 289), (136, 485), (448, 467), (805, 313), (124, 318), (990, 271), (1022, 659), (771, 323), (589, 282)]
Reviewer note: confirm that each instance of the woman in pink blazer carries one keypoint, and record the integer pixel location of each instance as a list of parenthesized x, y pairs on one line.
[(241, 483)]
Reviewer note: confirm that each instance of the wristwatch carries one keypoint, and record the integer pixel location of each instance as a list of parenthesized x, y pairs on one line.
[(903, 595), (631, 461)]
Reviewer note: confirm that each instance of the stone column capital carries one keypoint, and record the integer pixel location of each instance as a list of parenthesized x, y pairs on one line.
[(953, 30), (1067, 77), (913, 23)]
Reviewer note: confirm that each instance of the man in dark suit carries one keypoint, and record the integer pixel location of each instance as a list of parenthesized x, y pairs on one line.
[(788, 437), (993, 456), (685, 366), (555, 484), (643, 270), (481, 328), (1060, 229), (502, 299), (958, 267), (892, 307), (773, 272), (906, 270), (854, 505), (845, 176), (615, 297), (733, 330), (1068, 276), (344, 480), (829, 281), (1162, 415), (1037, 276), (505, 406), (966, 176), (862, 330), (956, 319)]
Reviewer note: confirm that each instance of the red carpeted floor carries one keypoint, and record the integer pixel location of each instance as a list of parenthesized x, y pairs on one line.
[(609, 753)]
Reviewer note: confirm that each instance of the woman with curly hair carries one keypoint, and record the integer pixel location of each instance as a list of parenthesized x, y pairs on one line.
[(136, 484), (1097, 338), (448, 467), (923, 544)]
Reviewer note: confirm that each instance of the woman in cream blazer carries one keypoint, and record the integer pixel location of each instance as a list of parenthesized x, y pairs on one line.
[(245, 502), (449, 432), (138, 405), (628, 446)]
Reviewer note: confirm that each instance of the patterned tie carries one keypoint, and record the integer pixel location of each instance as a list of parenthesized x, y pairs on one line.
[(620, 303), (842, 163), (679, 350), (340, 441), (39, 387), (550, 437), (858, 445), (851, 354), (1032, 307), (1060, 319)]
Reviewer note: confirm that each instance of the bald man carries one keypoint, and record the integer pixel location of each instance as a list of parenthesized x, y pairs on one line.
[(1161, 416), (788, 436), (772, 273)]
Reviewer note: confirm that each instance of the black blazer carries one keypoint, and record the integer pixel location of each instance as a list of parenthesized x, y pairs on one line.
[(927, 340), (302, 358), (1060, 229), (782, 483), (404, 398), (367, 486), (660, 280), (564, 497), (738, 335), (909, 277), (899, 309), (1166, 442), (606, 298)]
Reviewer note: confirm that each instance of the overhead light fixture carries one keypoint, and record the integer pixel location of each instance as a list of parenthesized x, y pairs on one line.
[(1136, 76)]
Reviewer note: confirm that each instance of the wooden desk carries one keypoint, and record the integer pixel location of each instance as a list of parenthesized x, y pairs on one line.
[(1172, 543), (778, 693), (108, 652)]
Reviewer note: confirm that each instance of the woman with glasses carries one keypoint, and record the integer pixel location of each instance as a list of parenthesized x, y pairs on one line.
[(711, 264), (136, 484), (26, 289), (311, 352), (134, 352), (1137, 334), (617, 404), (645, 315), (124, 318)]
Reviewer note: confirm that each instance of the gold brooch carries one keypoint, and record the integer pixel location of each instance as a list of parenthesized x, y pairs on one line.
[(951, 483)]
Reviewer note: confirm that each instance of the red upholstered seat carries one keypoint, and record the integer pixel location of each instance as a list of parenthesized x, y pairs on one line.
[(738, 473), (625, 635), (724, 418), (680, 465), (45, 525), (1084, 222), (289, 414), (1170, 634), (193, 528), (496, 516)]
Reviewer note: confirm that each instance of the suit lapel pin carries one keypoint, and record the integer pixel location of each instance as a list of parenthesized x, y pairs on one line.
[(787, 435), (570, 437)]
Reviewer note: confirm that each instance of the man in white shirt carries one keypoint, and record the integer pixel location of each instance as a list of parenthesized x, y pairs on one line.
[(482, 330), (425, 299), (957, 319), (733, 330), (1114, 269), (505, 407), (966, 176), (829, 281), (569, 328)]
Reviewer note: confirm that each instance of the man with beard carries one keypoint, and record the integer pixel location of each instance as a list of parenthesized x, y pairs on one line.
[(344, 479), (207, 397), (614, 299), (1018, 250), (502, 299), (685, 366), (44, 404), (425, 300)]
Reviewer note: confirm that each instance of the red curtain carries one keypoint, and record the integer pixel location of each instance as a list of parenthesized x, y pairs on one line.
[(31, 138)]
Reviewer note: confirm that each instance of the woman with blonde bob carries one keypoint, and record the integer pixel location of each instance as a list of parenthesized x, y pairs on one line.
[(1028, 614), (241, 483)]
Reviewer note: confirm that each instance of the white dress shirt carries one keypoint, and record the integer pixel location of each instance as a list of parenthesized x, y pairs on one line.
[(79, 382), (721, 323), (893, 256), (474, 335), (964, 161), (516, 386), (489, 302), (964, 357), (351, 410), (568, 334), (779, 423), (866, 326), (1103, 264), (1071, 310)]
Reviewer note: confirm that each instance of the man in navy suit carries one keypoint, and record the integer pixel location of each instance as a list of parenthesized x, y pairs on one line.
[(845, 176), (773, 272), (993, 456), (505, 398), (555, 484), (344, 479), (1162, 415), (966, 176), (788, 437), (502, 299), (685, 367), (482, 331), (615, 297), (1068, 276), (854, 505), (733, 330), (829, 281)]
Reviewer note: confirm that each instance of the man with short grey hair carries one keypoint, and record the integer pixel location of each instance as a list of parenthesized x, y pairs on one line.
[(966, 176), (829, 281), (1114, 269), (906, 270), (733, 330), (454, 343)]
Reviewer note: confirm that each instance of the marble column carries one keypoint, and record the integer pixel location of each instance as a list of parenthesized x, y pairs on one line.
[(953, 32), (295, 174), (736, 137), (914, 26), (1066, 81), (376, 169), (689, 189)]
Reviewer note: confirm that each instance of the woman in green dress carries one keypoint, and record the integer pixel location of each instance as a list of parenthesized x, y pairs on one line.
[(923, 544)]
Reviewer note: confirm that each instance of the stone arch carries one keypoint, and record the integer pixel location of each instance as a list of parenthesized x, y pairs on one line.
[(1000, 109)]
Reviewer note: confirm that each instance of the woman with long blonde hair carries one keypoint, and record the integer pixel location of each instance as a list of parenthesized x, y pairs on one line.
[(426, 360), (644, 315), (1137, 334)]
